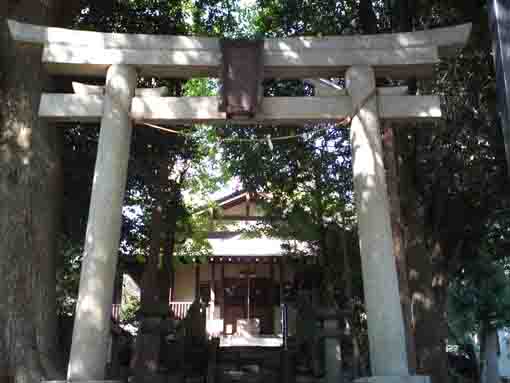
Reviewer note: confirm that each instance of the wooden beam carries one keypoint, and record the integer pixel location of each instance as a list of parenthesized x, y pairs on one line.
[(83, 53), (275, 110)]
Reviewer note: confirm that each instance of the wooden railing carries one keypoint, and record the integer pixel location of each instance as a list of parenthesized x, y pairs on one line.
[(116, 312), (180, 309)]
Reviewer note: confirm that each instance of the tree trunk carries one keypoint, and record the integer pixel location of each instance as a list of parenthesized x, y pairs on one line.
[(428, 277), (401, 22), (428, 286), (367, 17), (349, 294), (154, 306), (391, 165), (29, 194), (422, 254), (166, 272), (29, 216)]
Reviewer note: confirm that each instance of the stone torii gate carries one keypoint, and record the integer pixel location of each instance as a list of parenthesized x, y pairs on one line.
[(121, 58)]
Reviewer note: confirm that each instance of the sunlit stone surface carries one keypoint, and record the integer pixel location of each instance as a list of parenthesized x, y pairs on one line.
[(388, 353), (92, 321)]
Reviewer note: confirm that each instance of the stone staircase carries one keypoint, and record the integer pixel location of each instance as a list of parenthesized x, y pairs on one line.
[(248, 364), (258, 365)]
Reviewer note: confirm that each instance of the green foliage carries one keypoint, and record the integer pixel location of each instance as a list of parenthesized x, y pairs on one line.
[(192, 240), (68, 277), (134, 16), (308, 181), (305, 18), (130, 311), (224, 18), (479, 294), (192, 158), (200, 87)]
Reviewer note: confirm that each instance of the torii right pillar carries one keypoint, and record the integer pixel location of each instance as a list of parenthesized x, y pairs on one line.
[(388, 354)]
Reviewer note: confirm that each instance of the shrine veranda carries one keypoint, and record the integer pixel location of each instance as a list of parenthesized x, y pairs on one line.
[(122, 58)]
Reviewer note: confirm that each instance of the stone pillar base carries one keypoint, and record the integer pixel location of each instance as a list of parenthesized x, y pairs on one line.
[(394, 379)]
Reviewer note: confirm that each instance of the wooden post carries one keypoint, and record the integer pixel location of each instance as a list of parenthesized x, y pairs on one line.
[(117, 296), (197, 281), (282, 278), (172, 283), (272, 292), (212, 287), (223, 296), (287, 362)]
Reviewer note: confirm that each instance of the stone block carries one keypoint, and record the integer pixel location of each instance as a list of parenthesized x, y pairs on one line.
[(82, 381), (248, 327), (394, 379)]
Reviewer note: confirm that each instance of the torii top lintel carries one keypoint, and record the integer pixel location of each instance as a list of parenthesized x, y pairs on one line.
[(86, 53)]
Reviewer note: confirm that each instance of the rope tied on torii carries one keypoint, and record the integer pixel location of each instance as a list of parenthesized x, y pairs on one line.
[(241, 90), (343, 122)]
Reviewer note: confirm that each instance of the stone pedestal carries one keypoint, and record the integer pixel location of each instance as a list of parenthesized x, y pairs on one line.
[(91, 331), (388, 353), (248, 327), (394, 379), (333, 352)]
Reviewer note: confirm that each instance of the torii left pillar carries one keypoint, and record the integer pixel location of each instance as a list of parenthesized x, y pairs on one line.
[(93, 310)]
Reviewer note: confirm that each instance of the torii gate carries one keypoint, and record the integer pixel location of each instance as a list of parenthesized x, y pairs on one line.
[(123, 57)]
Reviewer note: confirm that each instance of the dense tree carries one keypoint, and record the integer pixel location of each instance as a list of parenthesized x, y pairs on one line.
[(479, 298), (30, 195), (451, 180)]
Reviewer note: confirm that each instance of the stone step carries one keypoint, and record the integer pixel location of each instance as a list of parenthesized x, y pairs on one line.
[(249, 364), (308, 379), (247, 374), (248, 354)]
